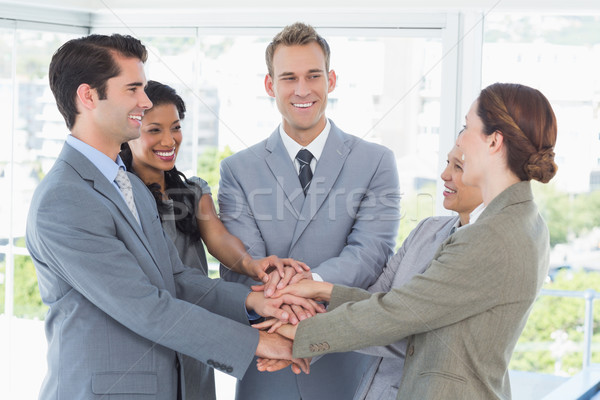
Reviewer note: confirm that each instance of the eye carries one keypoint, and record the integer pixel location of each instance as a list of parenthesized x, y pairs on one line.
[(177, 128), (458, 167), (314, 76), (153, 130)]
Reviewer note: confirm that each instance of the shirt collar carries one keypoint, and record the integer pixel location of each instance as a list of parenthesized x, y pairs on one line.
[(105, 164), (476, 213), (315, 147)]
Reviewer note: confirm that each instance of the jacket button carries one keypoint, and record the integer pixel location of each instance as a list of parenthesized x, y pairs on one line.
[(411, 350)]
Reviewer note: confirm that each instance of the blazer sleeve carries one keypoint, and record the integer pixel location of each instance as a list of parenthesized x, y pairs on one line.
[(465, 279), (83, 248), (384, 284), (372, 237), (235, 212), (385, 281)]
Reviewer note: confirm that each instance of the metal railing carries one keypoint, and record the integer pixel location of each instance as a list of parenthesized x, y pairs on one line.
[(589, 296)]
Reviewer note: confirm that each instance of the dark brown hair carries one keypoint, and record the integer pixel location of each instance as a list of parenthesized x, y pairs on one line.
[(527, 123), (297, 34), (90, 60)]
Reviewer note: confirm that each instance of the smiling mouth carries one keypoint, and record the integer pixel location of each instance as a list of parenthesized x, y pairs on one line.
[(448, 190), (135, 117), (165, 154), (303, 105)]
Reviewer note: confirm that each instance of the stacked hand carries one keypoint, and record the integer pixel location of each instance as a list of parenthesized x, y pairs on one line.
[(291, 300), (271, 270)]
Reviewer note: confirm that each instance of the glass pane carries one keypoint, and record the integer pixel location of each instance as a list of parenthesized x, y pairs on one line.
[(39, 129), (559, 55), (172, 60), (6, 87)]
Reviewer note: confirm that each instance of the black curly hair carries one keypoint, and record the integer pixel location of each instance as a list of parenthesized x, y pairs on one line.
[(176, 183)]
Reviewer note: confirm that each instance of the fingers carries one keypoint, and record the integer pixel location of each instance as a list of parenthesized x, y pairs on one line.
[(301, 313), (288, 274), (298, 277), (271, 285), (257, 288), (277, 263), (293, 318), (308, 304), (275, 326), (299, 266), (302, 363), (265, 364), (297, 365), (267, 323)]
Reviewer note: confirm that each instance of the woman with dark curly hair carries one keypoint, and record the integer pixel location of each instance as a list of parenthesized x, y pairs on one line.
[(187, 210)]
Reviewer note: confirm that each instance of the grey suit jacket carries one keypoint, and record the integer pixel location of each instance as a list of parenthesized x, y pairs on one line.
[(465, 312), (383, 377), (344, 230), (122, 305)]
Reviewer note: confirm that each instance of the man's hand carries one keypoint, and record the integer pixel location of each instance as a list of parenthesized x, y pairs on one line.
[(273, 307), (270, 365), (265, 268), (275, 347), (274, 325)]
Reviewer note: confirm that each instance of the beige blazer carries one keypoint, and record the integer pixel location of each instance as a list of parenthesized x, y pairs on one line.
[(465, 313)]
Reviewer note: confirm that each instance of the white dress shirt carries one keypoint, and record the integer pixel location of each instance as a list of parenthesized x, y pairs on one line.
[(316, 149)]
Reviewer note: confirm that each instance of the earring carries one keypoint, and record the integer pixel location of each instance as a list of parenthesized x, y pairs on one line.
[(462, 157)]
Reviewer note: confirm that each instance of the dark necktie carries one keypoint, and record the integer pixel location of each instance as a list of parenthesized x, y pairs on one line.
[(305, 173)]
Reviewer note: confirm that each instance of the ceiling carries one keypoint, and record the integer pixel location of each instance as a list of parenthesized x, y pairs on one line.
[(93, 6)]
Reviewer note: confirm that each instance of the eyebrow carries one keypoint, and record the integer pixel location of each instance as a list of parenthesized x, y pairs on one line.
[(135, 84), (310, 71)]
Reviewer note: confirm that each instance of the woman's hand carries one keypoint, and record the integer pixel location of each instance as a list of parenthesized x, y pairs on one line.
[(319, 291), (277, 307)]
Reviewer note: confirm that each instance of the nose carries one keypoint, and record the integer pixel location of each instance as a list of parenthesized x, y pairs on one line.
[(302, 88), (167, 139), (144, 101), (446, 176)]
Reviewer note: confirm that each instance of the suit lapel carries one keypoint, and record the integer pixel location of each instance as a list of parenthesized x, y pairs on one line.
[(282, 168), (326, 174), (90, 173)]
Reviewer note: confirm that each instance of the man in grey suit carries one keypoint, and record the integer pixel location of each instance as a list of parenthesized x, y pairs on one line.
[(382, 379), (122, 306), (314, 193)]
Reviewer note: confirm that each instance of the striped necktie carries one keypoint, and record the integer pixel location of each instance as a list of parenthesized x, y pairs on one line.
[(305, 173)]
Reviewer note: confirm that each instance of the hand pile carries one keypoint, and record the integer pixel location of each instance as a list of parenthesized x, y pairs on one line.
[(286, 298)]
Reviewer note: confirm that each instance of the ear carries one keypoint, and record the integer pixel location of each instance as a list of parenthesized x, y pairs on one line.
[(269, 85), (496, 142), (87, 96), (331, 81)]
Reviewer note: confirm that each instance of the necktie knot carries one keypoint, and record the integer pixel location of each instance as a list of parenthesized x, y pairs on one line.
[(304, 158)]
